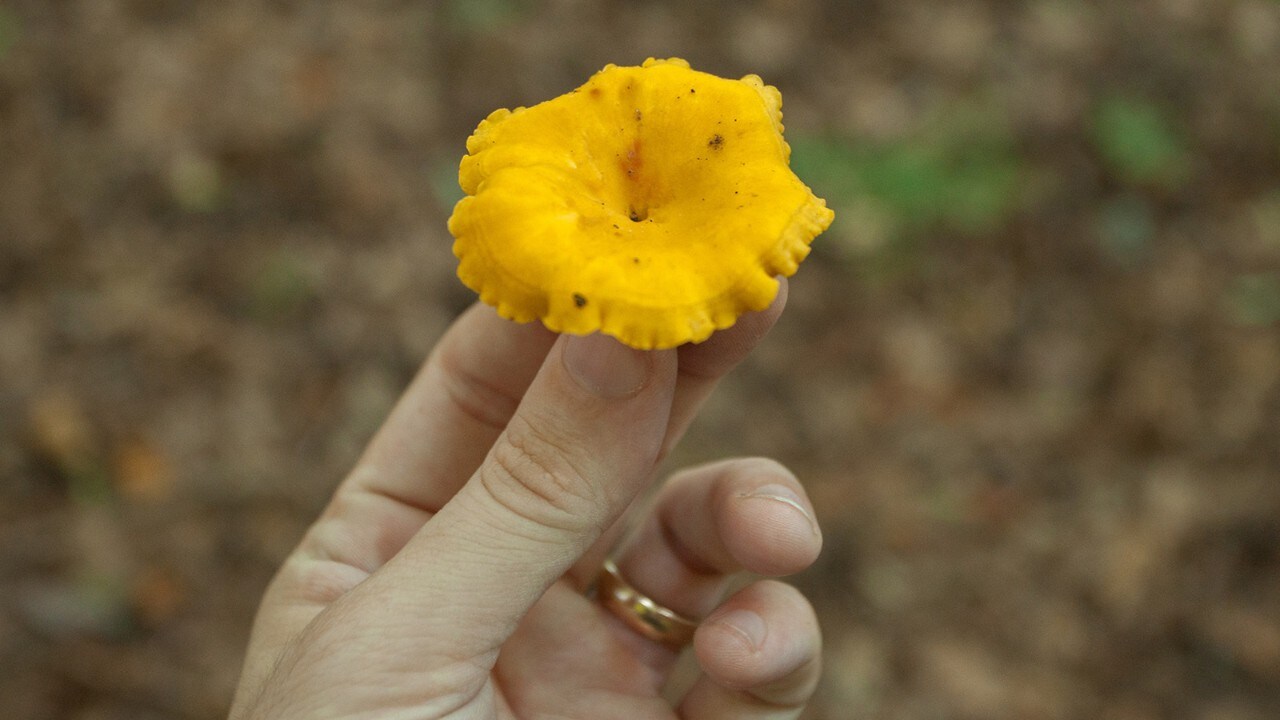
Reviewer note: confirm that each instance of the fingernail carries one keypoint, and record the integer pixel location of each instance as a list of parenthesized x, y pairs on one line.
[(787, 496), (605, 367), (746, 624)]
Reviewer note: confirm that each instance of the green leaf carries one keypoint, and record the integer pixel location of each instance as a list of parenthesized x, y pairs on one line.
[(959, 172), (281, 286), (1254, 299), (482, 15), (1139, 142), (10, 30)]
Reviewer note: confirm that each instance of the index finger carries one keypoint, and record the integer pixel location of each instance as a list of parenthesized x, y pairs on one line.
[(449, 416)]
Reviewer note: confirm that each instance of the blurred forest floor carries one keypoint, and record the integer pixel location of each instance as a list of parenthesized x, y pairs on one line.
[(1031, 376)]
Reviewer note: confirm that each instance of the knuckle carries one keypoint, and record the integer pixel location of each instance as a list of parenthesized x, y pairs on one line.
[(530, 475), (473, 395)]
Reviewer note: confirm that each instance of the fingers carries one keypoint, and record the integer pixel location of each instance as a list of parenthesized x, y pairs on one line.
[(712, 521), (760, 657), (700, 369), (466, 392), (449, 417), (582, 444), (435, 438), (462, 399), (441, 431), (702, 366)]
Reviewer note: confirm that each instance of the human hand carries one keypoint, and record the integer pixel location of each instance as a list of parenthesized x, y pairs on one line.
[(449, 575)]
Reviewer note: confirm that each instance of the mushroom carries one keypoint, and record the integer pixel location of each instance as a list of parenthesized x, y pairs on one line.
[(654, 204)]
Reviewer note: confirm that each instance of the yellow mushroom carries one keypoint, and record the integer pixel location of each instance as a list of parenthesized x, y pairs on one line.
[(654, 204)]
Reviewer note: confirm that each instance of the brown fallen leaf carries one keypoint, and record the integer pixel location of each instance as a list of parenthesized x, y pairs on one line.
[(157, 596), (141, 471)]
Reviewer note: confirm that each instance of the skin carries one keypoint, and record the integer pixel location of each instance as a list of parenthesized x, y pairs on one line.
[(448, 576)]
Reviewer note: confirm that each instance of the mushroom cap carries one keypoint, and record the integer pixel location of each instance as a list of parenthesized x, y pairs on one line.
[(653, 203)]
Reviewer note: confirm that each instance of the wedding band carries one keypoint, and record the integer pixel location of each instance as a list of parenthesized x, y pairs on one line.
[(641, 613)]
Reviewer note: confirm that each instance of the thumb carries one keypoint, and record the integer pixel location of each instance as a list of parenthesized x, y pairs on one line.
[(582, 445)]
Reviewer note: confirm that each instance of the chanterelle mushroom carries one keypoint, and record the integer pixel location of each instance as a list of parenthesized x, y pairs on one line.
[(654, 204)]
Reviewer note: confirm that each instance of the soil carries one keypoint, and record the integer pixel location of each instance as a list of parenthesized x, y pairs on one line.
[(1043, 440)]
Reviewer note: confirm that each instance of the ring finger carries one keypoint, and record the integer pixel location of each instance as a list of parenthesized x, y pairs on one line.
[(712, 521)]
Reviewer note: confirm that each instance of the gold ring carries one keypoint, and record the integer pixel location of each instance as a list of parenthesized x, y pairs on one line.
[(641, 613)]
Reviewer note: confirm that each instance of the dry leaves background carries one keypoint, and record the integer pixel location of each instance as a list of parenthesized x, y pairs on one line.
[(1031, 376)]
